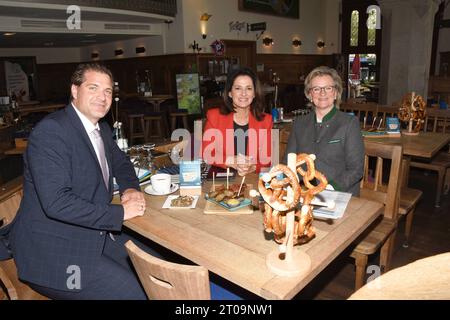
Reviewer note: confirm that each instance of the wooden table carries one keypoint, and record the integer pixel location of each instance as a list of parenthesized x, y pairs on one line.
[(156, 100), (41, 108), (10, 187), (15, 151), (235, 247), (425, 145)]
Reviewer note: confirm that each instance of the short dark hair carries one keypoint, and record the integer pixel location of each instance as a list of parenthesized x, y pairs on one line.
[(257, 107), (78, 76)]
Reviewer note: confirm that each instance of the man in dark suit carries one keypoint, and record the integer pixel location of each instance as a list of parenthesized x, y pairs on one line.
[(66, 238)]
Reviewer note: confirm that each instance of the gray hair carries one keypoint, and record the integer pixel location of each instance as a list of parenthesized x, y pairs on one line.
[(325, 71)]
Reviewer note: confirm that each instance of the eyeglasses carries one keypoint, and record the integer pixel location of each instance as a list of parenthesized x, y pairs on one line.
[(327, 89)]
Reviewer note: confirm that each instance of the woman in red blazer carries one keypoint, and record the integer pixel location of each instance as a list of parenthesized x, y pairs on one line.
[(238, 134)]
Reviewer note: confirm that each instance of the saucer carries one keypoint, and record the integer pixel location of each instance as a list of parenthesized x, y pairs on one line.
[(149, 190)]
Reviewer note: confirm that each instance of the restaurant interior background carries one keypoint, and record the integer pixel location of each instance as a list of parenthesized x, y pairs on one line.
[(160, 49), (405, 49)]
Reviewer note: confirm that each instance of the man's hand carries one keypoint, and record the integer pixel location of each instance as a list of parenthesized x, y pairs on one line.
[(132, 194), (133, 203)]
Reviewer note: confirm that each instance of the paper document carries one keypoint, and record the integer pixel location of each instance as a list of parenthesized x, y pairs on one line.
[(341, 200)]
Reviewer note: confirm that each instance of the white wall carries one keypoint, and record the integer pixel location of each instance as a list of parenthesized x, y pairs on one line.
[(444, 40), (173, 33), (318, 21), (44, 55), (333, 27)]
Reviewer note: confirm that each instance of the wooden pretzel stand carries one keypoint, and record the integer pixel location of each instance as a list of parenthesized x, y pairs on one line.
[(281, 191), (285, 261), (412, 110)]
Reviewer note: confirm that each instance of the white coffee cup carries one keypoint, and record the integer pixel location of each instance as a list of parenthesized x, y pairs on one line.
[(161, 183)]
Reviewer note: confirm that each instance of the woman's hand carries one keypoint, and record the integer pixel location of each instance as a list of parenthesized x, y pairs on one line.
[(242, 164), (245, 169)]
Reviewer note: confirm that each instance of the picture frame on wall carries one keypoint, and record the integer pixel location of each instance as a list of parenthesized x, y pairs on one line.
[(282, 8), (188, 92)]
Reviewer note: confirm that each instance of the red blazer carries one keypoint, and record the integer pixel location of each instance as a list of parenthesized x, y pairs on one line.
[(218, 139)]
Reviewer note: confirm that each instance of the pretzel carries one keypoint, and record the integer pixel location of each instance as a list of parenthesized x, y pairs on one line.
[(413, 109), (277, 204), (313, 190), (275, 197), (309, 160), (275, 221)]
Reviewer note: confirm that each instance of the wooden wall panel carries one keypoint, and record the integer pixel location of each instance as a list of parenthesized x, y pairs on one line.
[(290, 67), (3, 91), (54, 79)]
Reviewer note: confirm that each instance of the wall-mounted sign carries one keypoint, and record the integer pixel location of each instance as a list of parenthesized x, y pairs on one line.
[(237, 26), (260, 26)]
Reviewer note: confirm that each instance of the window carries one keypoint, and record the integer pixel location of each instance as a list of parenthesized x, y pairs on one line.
[(361, 34), (354, 31), (371, 24)]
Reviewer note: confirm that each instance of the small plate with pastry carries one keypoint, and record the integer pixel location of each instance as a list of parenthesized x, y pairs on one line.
[(180, 202)]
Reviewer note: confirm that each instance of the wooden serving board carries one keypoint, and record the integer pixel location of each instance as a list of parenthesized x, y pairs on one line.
[(213, 208)]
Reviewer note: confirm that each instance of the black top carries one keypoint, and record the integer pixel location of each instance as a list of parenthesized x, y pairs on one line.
[(240, 145)]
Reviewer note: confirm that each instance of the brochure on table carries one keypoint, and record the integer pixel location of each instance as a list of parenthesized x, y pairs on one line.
[(190, 178), (392, 125)]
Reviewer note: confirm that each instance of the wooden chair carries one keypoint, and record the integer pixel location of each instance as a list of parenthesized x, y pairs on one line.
[(179, 114), (408, 197), (136, 127), (163, 280), (437, 121), (381, 234), (362, 111), (15, 289), (424, 279), (384, 111), (155, 121), (284, 138)]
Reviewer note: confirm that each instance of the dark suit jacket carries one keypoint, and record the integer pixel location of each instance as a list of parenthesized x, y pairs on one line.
[(66, 208), (224, 148), (5, 248)]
